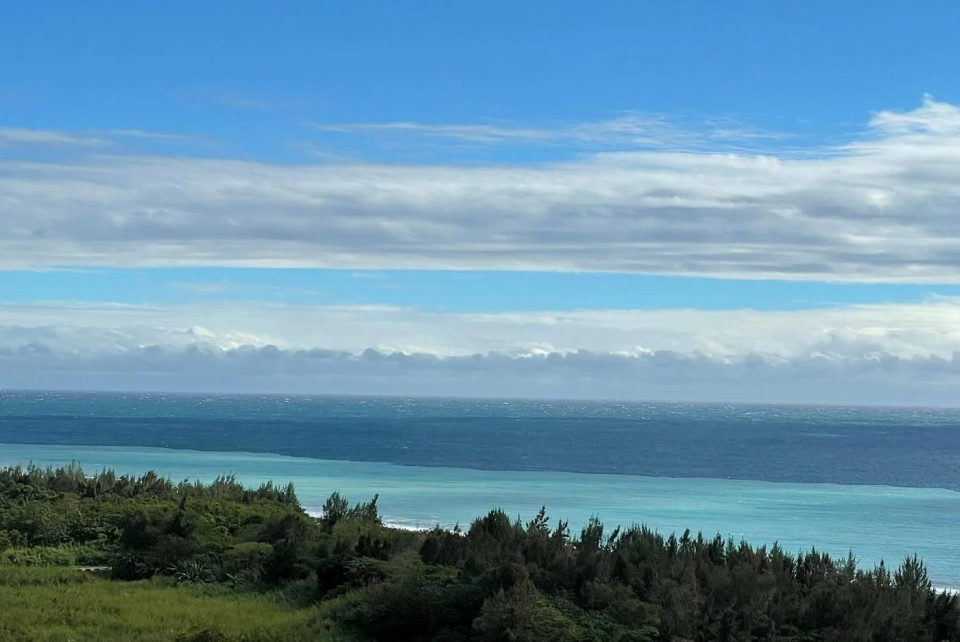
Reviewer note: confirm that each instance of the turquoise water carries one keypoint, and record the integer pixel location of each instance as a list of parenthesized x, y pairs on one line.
[(875, 521)]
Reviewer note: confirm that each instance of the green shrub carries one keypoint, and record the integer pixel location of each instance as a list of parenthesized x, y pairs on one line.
[(245, 558), (420, 602)]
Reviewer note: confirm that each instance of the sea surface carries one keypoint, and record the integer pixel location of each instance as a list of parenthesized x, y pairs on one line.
[(880, 481)]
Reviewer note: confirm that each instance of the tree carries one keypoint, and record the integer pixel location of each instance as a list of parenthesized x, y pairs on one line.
[(334, 509)]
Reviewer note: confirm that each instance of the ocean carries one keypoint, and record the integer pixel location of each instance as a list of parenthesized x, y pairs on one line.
[(882, 482)]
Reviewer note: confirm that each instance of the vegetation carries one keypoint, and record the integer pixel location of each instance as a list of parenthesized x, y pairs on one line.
[(50, 604), (219, 562)]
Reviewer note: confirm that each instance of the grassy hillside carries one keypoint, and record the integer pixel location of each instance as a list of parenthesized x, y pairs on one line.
[(56, 605)]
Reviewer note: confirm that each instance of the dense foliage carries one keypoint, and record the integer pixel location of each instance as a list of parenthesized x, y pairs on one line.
[(497, 580)]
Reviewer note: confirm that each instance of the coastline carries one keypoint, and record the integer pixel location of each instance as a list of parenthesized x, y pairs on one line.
[(876, 523)]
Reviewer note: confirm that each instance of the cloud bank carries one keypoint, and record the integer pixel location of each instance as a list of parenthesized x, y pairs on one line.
[(892, 354), (660, 375), (882, 208)]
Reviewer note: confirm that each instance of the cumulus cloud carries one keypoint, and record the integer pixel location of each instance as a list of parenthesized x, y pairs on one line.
[(882, 208), (904, 353)]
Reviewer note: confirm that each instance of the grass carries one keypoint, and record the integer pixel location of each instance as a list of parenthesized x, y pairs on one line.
[(72, 555), (60, 605)]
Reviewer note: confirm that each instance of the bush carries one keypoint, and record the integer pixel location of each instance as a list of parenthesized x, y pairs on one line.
[(245, 560), (420, 603), (522, 615)]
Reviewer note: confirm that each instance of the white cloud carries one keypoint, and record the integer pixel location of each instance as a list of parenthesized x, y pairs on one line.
[(904, 330), (932, 117), (881, 209), (662, 375), (903, 353), (19, 137), (629, 130), (15, 137)]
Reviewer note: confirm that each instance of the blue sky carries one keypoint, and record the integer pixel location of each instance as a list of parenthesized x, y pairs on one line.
[(165, 165), (816, 66), (471, 291)]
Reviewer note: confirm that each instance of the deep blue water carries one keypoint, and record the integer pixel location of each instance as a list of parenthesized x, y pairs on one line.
[(873, 446)]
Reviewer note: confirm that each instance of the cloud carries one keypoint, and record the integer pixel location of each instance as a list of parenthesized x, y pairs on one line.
[(629, 130), (91, 341), (904, 330), (663, 375), (19, 137), (882, 208), (894, 353), (932, 117), (15, 137)]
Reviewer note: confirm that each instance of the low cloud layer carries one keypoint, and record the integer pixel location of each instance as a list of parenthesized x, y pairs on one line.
[(904, 329), (659, 375), (882, 208), (891, 354)]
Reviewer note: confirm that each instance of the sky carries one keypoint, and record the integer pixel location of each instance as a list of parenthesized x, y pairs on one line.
[(743, 201)]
